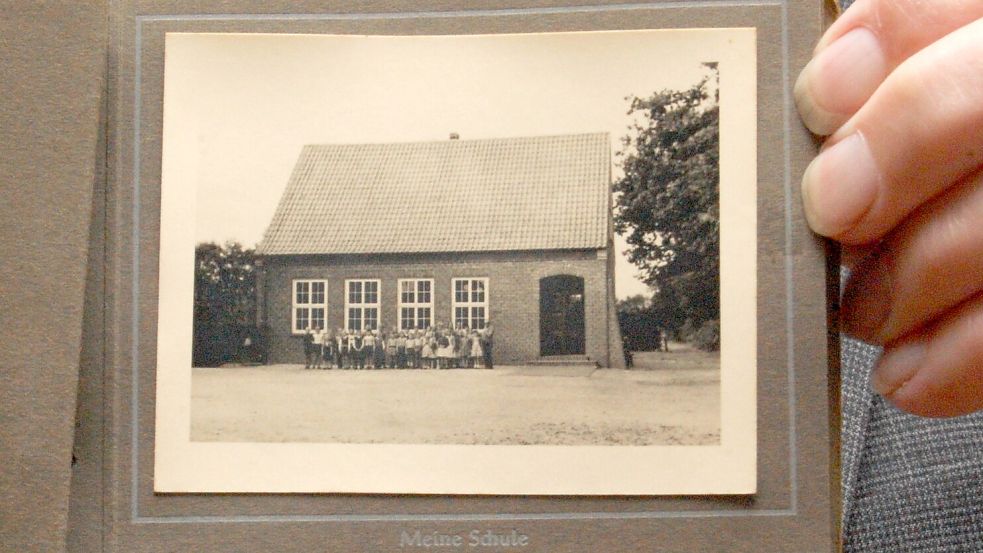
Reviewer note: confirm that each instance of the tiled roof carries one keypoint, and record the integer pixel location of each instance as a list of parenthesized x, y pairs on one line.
[(528, 193)]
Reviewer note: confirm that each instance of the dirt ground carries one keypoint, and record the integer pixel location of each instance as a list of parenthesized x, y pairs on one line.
[(670, 399), (680, 356)]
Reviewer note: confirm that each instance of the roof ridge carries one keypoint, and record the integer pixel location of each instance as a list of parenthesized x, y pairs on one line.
[(597, 134)]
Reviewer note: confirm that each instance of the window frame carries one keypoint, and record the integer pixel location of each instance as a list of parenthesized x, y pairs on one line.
[(363, 305), (309, 305), (470, 304), (416, 305)]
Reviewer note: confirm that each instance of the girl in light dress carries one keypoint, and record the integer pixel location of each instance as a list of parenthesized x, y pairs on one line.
[(476, 352), (427, 352), (445, 349)]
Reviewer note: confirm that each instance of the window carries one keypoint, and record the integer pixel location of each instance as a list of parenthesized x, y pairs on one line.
[(361, 304), (470, 305), (310, 305), (415, 303)]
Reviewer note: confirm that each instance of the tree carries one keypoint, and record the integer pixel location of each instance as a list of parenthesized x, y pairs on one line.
[(668, 199), (640, 331), (225, 301)]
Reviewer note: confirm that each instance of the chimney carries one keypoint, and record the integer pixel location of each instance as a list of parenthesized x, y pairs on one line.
[(455, 136)]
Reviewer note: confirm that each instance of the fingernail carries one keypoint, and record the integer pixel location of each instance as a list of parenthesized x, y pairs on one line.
[(897, 366), (867, 299), (837, 82), (840, 186)]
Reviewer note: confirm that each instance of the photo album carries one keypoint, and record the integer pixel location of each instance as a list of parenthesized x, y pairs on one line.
[(377, 276)]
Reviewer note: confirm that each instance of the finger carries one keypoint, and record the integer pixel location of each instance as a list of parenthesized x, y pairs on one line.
[(937, 372), (907, 25), (859, 51), (930, 264), (851, 256), (918, 134)]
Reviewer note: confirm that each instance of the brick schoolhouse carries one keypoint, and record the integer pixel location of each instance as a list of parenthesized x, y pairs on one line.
[(516, 231)]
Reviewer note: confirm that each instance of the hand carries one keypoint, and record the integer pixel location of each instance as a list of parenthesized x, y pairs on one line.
[(898, 86)]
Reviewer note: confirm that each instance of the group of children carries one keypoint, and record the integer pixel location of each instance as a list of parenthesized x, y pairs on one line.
[(430, 348)]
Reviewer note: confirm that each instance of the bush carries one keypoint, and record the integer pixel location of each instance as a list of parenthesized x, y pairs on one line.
[(707, 337)]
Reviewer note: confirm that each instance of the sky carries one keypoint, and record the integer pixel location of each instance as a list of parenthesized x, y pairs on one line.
[(257, 99)]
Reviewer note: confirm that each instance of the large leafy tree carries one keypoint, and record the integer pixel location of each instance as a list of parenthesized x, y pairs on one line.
[(225, 300), (644, 320), (668, 199)]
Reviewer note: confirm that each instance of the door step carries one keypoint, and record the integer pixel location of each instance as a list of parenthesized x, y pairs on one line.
[(564, 361)]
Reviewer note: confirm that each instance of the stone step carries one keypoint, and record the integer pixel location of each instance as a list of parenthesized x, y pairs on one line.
[(564, 360)]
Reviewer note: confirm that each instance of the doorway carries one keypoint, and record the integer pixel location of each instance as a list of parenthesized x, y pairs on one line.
[(561, 315)]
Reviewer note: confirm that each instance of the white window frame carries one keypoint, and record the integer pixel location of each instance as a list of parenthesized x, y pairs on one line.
[(363, 305), (470, 303), (309, 305), (416, 305)]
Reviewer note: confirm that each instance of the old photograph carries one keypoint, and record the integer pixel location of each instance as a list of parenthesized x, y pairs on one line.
[(458, 264)]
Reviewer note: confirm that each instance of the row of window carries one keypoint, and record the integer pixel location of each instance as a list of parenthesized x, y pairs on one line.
[(469, 305)]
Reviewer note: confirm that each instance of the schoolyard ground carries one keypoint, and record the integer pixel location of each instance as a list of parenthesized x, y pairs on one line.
[(668, 399)]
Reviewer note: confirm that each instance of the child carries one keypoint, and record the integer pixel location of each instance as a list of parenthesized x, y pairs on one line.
[(426, 350), (368, 350), (327, 349), (412, 349), (464, 348), (308, 348), (401, 351), (418, 360), (321, 337), (476, 353), (343, 353), (356, 346), (445, 351), (391, 350), (487, 341), (379, 353), (352, 352)]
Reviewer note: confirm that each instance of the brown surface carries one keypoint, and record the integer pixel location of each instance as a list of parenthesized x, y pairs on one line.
[(54, 77), (53, 69)]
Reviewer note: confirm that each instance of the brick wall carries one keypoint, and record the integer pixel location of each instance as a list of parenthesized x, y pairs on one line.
[(513, 294)]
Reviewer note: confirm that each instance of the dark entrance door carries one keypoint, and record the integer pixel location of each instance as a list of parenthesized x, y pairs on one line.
[(561, 315)]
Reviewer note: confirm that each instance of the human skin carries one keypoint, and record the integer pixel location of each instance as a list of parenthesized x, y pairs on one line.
[(897, 86)]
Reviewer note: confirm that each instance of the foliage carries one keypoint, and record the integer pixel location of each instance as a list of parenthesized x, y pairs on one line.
[(707, 337), (639, 303), (666, 308), (668, 199), (225, 302), (641, 327)]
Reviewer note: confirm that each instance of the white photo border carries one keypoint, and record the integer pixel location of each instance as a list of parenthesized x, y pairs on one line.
[(728, 468)]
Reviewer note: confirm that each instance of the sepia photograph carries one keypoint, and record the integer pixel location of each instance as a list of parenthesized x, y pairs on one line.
[(483, 264)]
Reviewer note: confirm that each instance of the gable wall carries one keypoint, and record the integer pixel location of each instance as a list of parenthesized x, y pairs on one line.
[(513, 293)]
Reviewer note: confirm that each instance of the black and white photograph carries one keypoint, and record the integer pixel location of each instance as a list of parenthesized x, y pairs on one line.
[(480, 264)]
